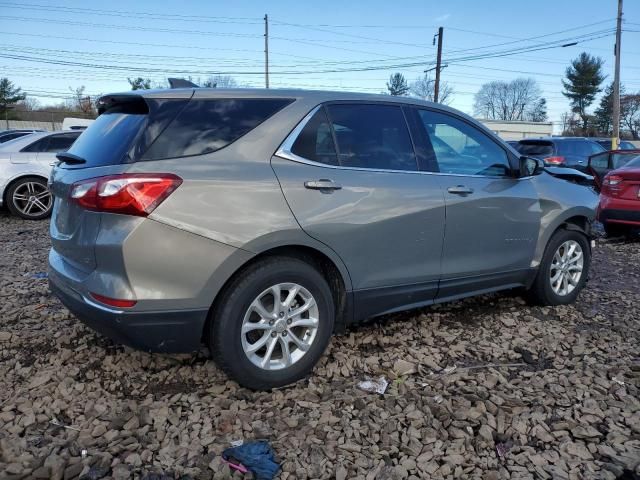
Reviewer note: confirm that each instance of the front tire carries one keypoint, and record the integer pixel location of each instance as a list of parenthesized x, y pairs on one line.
[(30, 198), (564, 269), (272, 323)]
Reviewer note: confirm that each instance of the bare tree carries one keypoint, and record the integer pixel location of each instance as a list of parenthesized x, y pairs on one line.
[(519, 99), (424, 88), (82, 102), (220, 81), (630, 114)]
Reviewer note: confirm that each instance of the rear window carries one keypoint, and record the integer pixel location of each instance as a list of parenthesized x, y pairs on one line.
[(107, 140), (205, 126), (154, 129), (535, 149)]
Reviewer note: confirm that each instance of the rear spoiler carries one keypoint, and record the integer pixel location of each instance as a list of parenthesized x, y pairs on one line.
[(181, 83)]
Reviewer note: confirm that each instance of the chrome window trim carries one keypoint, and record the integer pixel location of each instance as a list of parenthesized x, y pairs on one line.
[(284, 151)]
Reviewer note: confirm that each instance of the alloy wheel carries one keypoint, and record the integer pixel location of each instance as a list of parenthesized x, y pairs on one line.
[(32, 199), (280, 326), (566, 268)]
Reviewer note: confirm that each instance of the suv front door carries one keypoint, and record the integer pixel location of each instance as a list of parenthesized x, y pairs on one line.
[(352, 180), (492, 218)]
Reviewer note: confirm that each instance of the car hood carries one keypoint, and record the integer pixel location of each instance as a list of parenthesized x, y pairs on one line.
[(570, 174)]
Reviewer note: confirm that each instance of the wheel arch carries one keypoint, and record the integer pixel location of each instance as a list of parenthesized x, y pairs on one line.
[(331, 268), (16, 179), (579, 220)]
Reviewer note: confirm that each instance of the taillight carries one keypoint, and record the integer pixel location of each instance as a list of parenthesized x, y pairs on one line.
[(612, 180), (113, 302), (554, 160), (128, 193)]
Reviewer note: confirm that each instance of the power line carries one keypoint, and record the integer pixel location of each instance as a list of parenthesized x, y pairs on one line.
[(128, 14), (130, 27)]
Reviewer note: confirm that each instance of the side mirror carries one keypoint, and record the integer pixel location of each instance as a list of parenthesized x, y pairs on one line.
[(530, 166)]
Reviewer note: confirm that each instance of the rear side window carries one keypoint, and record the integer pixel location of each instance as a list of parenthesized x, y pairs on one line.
[(535, 149), (37, 146), (315, 142), (372, 136), (60, 143), (600, 161), (205, 126)]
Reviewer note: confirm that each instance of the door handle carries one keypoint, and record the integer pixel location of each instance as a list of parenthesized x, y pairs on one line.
[(322, 184), (460, 190)]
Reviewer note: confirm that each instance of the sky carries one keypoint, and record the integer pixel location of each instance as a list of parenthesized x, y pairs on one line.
[(49, 47)]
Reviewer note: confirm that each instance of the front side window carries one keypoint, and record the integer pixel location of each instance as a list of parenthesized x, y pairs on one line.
[(205, 126), (600, 161), (315, 141), (461, 148), (372, 136)]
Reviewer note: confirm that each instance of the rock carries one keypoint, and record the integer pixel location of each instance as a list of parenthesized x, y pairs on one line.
[(99, 430), (56, 465), (341, 473), (95, 473), (133, 459), (486, 433), (73, 471), (121, 472), (579, 450), (402, 367), (585, 431), (5, 336), (507, 321)]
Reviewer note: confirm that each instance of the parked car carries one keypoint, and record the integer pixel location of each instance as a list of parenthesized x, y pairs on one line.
[(571, 152), (602, 163), (7, 135), (619, 208), (260, 221), (624, 144), (25, 164)]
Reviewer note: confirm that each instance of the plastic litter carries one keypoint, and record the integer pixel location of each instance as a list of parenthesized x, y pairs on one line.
[(236, 443), (39, 275), (374, 386), (618, 381), (438, 399), (256, 457)]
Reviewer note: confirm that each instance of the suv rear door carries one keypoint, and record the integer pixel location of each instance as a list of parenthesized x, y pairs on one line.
[(352, 179), (492, 217)]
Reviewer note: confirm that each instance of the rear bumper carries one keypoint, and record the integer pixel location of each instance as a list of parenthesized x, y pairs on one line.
[(631, 217), (159, 331)]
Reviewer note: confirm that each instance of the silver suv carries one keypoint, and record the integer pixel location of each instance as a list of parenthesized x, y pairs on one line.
[(260, 222)]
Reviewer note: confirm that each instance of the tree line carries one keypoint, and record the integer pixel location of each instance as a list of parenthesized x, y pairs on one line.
[(519, 99)]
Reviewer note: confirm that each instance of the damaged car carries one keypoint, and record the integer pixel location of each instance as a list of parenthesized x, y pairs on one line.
[(260, 222)]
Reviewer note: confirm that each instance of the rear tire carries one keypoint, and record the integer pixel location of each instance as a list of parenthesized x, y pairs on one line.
[(561, 261), (29, 198), (247, 316)]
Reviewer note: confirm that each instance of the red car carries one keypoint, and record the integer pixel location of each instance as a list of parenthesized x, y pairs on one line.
[(619, 209)]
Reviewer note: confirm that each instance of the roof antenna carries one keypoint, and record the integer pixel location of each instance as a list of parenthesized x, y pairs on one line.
[(181, 83)]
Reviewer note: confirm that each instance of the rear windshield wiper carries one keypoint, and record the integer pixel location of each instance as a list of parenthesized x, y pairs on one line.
[(70, 158)]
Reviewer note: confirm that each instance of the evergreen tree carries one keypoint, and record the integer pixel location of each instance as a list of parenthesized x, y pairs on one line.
[(9, 95), (582, 84), (397, 84)]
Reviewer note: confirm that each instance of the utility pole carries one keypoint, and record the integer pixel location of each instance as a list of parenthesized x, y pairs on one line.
[(436, 88), (615, 140), (266, 50)]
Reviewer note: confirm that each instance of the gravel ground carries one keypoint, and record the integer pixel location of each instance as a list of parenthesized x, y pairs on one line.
[(535, 393)]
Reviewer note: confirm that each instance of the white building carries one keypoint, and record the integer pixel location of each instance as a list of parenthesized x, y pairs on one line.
[(517, 130)]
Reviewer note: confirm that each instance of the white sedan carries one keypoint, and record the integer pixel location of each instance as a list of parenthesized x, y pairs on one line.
[(25, 164)]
